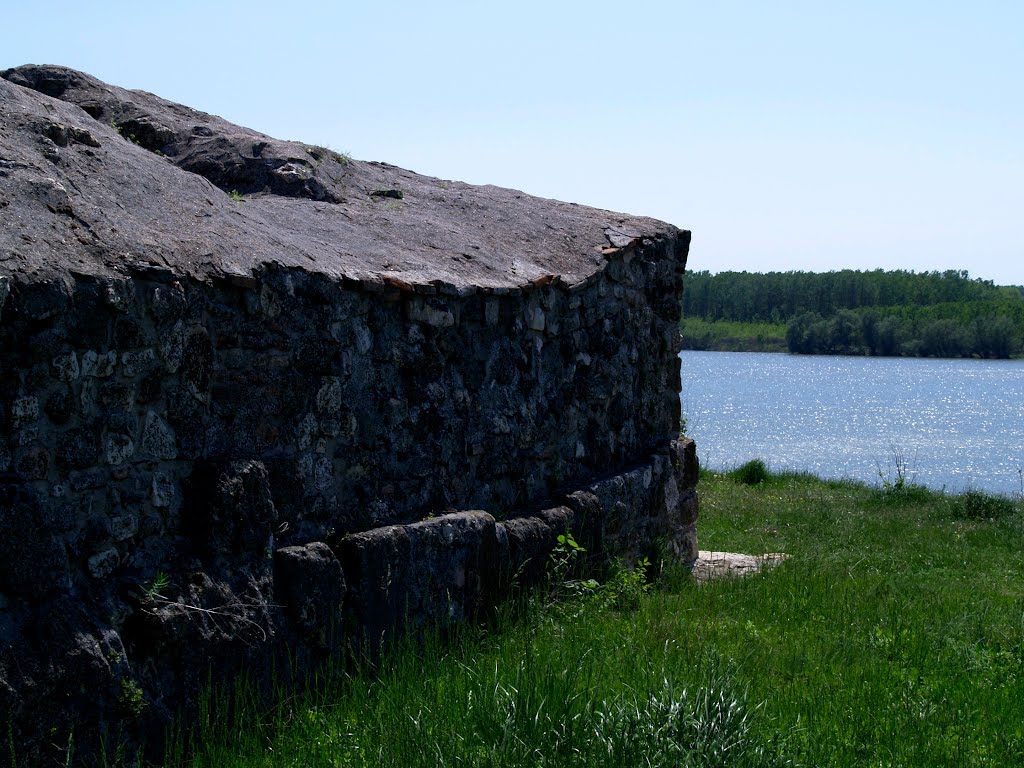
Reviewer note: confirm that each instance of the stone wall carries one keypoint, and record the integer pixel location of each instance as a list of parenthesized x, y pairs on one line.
[(203, 476)]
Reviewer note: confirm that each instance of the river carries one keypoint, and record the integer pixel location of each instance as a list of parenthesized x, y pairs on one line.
[(953, 424)]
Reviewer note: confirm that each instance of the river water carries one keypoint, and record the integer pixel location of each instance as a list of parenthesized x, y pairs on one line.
[(953, 424)]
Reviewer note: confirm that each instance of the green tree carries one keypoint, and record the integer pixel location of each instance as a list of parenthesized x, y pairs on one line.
[(945, 338), (994, 337), (799, 338), (889, 336), (844, 332)]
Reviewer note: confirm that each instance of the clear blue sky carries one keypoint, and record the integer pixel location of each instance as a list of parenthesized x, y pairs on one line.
[(786, 135)]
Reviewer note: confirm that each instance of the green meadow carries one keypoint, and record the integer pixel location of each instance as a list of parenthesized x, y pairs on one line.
[(894, 636)]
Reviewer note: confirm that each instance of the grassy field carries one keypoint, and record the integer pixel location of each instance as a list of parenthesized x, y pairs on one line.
[(893, 637), (731, 336)]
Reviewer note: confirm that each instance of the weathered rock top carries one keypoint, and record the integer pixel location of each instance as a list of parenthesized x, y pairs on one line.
[(103, 181)]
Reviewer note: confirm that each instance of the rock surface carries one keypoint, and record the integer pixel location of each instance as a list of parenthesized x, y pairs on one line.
[(83, 163), (716, 565), (264, 406)]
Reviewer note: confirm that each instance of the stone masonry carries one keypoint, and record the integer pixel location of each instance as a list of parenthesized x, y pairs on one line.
[(260, 401)]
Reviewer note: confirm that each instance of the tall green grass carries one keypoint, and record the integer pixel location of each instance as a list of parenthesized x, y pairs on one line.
[(893, 636)]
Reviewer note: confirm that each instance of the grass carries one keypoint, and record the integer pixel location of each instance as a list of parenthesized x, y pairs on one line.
[(753, 472), (731, 336), (894, 636)]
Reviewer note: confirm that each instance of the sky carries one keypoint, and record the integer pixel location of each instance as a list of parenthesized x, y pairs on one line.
[(786, 135)]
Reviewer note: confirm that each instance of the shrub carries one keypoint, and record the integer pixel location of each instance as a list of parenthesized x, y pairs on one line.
[(754, 472), (988, 506)]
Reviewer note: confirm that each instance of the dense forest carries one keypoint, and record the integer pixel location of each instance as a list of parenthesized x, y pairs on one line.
[(937, 314)]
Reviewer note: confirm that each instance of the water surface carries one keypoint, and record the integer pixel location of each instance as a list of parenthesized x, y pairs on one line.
[(957, 424)]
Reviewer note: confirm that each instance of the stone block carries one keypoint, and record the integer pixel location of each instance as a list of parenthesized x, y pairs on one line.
[(99, 365), (171, 346), (431, 311), (60, 405), (119, 448), (78, 448), (310, 584), (530, 542), (134, 363), (163, 490), (588, 521), (33, 562), (683, 544), (535, 318), (158, 439), (66, 366), (168, 303), (34, 463), (685, 462), (432, 573), (689, 506), (229, 509), (124, 527), (25, 409)]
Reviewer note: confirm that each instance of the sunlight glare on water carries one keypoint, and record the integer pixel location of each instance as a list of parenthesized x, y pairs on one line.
[(958, 424)]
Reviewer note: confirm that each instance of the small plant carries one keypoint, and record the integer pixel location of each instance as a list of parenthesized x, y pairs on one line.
[(675, 727), (754, 472), (899, 484), (235, 195), (979, 505), (318, 153), (154, 590), (684, 424), (565, 560), (624, 590), (131, 699), (120, 129)]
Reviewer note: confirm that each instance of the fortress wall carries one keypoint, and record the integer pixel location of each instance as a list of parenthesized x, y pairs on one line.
[(205, 477)]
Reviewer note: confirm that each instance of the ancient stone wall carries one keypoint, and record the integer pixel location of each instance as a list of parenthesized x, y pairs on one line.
[(263, 406), (271, 444)]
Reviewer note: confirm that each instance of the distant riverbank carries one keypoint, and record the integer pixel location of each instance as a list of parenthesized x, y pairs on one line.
[(729, 336), (873, 314)]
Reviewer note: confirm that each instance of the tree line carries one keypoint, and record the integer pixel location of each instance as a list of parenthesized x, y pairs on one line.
[(938, 314)]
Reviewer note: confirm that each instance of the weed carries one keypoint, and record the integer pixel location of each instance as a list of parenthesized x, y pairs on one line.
[(319, 153), (120, 129), (235, 195), (626, 587), (674, 727), (152, 591), (566, 560), (754, 472), (987, 506), (899, 484), (622, 590), (131, 699)]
